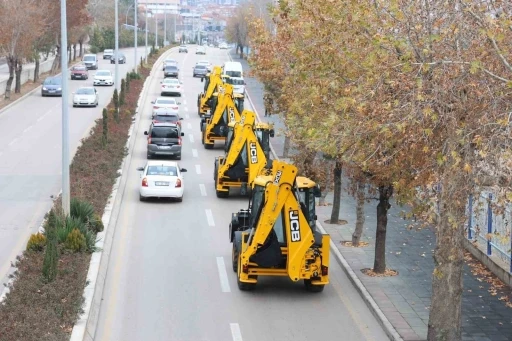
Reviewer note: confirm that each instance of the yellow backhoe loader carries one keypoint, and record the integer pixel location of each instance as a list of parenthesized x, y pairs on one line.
[(227, 108), (247, 153), (276, 235), (212, 82)]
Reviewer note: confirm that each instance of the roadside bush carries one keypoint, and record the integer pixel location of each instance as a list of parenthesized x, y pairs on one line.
[(36, 242), (75, 241), (96, 224), (81, 210), (134, 75), (65, 225), (51, 256)]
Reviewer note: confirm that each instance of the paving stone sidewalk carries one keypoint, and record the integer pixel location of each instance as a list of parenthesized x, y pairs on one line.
[(404, 299)]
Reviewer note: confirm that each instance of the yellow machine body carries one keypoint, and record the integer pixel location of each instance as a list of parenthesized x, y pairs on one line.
[(212, 83)]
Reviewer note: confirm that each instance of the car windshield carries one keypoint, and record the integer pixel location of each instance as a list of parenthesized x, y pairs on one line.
[(166, 101), (103, 73), (52, 81), (162, 170), (165, 132), (235, 81), (234, 73), (89, 58), (171, 81), (79, 68), (202, 67), (85, 91), (166, 118), (171, 68), (170, 61), (108, 51), (183, 45)]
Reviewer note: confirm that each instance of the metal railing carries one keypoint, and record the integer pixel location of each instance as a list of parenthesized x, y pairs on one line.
[(491, 230)]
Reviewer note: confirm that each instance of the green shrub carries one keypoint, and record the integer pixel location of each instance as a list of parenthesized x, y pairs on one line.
[(36, 242), (82, 210), (104, 138), (123, 92), (134, 75), (66, 226), (51, 256), (96, 224), (75, 241)]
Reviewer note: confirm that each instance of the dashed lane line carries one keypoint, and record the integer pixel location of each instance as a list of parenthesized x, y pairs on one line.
[(235, 332), (202, 188), (223, 275), (198, 169), (209, 217)]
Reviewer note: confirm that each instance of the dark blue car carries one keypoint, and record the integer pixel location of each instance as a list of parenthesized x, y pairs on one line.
[(52, 86)]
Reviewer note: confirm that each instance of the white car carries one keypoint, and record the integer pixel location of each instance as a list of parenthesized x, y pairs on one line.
[(171, 87), (163, 104), (103, 77), (205, 63), (85, 97), (223, 46), (201, 50), (169, 62), (161, 179), (108, 53)]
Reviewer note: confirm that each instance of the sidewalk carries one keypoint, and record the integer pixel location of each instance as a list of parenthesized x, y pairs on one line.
[(405, 299)]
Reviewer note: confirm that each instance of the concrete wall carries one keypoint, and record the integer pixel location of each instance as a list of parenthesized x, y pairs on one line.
[(26, 74)]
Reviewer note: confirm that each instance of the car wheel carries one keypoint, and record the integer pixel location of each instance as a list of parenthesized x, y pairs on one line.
[(178, 157), (141, 198), (179, 199), (148, 156), (74, 106)]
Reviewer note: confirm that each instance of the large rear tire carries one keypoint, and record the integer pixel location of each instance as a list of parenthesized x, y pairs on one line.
[(208, 145), (234, 257), (221, 194), (313, 288)]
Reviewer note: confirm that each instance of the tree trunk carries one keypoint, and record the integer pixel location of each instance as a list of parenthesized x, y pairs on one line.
[(74, 51), (69, 54), (286, 147), (81, 49), (385, 193), (56, 62), (444, 322), (19, 68), (336, 202), (36, 69), (11, 63), (360, 195)]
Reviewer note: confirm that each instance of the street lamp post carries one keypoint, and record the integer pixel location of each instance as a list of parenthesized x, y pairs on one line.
[(156, 28), (65, 109), (146, 28), (136, 36), (165, 23), (126, 16), (116, 57)]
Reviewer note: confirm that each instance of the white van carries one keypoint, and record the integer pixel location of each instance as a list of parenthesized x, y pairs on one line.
[(90, 61), (233, 74)]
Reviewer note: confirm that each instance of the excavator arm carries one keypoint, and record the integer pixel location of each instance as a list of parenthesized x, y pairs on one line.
[(214, 81)]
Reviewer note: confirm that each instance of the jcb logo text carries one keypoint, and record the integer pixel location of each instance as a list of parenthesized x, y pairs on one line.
[(254, 152), (294, 226)]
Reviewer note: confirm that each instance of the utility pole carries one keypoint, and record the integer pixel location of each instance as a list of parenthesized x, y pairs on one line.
[(165, 23), (146, 28), (156, 28), (175, 33), (116, 58), (65, 109), (136, 36)]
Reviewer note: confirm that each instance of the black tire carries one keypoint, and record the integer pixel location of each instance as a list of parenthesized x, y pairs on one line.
[(208, 145), (234, 258), (74, 106), (178, 157), (215, 171), (221, 194), (148, 156), (179, 199), (313, 288), (141, 198)]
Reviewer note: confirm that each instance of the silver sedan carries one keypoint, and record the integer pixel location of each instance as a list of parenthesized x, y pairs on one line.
[(85, 97)]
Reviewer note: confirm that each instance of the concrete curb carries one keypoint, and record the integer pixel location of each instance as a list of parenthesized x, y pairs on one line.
[(390, 331), (85, 326)]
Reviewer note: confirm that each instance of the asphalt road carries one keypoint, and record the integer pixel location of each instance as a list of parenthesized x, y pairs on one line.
[(170, 277), (30, 159)]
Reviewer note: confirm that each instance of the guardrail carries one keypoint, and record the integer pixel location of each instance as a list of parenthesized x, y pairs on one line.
[(489, 230)]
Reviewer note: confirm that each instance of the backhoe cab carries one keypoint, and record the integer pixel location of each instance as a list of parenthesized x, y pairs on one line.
[(276, 235), (212, 82), (247, 154), (226, 108)]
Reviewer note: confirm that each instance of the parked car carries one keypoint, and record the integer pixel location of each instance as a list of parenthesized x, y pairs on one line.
[(108, 53), (121, 59), (223, 46), (52, 86), (163, 104), (103, 77), (162, 117), (161, 179), (183, 48), (79, 72), (90, 61), (171, 71), (164, 139), (169, 62), (201, 50), (199, 70), (85, 97), (205, 63), (171, 87)]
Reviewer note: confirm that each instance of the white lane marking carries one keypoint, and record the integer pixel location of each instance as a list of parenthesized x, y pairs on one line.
[(194, 152), (209, 217), (185, 102), (186, 108), (13, 141), (27, 129), (187, 116), (41, 118), (235, 332), (191, 138), (189, 126), (202, 188), (198, 169), (223, 275), (1, 153)]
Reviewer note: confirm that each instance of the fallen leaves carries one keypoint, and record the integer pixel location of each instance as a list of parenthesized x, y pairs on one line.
[(387, 273), (349, 244)]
